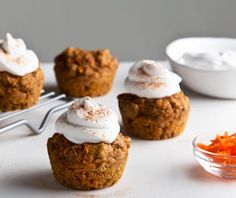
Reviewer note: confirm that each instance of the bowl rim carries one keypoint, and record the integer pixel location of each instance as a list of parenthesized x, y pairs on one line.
[(195, 147), (192, 68)]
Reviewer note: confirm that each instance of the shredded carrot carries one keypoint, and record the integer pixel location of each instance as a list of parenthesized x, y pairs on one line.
[(224, 144)]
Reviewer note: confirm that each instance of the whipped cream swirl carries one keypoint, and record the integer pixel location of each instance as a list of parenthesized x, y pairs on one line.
[(149, 79), (15, 58), (223, 60), (87, 121)]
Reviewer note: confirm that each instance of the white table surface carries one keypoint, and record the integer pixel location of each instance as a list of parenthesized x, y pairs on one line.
[(162, 169)]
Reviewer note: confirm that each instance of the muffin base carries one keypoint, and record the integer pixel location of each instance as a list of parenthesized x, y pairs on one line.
[(87, 166), (154, 119), (20, 92), (81, 85)]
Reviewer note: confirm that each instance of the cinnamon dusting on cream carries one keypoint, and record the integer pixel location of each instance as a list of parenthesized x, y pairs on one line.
[(87, 121), (15, 58), (149, 79)]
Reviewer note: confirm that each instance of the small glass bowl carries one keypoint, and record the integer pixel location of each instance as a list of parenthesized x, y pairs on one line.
[(216, 164)]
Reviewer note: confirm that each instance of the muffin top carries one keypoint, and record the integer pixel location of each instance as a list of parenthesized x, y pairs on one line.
[(15, 58), (149, 79), (86, 62), (87, 121)]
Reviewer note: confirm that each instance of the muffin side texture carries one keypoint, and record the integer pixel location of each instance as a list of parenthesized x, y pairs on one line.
[(85, 72), (87, 166), (20, 92), (154, 119)]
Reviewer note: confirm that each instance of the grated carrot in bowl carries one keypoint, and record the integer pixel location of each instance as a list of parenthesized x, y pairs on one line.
[(222, 144)]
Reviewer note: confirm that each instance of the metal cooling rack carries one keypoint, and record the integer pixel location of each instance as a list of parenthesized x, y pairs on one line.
[(45, 99)]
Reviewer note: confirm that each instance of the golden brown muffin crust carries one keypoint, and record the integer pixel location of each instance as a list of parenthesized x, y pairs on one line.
[(150, 118), (85, 73), (86, 62), (87, 166), (19, 92)]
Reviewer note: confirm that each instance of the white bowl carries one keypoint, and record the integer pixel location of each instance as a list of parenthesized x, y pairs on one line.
[(221, 84)]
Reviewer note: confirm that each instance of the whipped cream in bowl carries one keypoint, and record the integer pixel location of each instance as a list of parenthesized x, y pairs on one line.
[(209, 60), (15, 58), (147, 78), (206, 64), (88, 122)]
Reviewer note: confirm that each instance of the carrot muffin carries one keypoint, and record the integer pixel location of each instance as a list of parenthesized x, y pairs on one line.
[(85, 73), (21, 78), (88, 152), (155, 107)]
